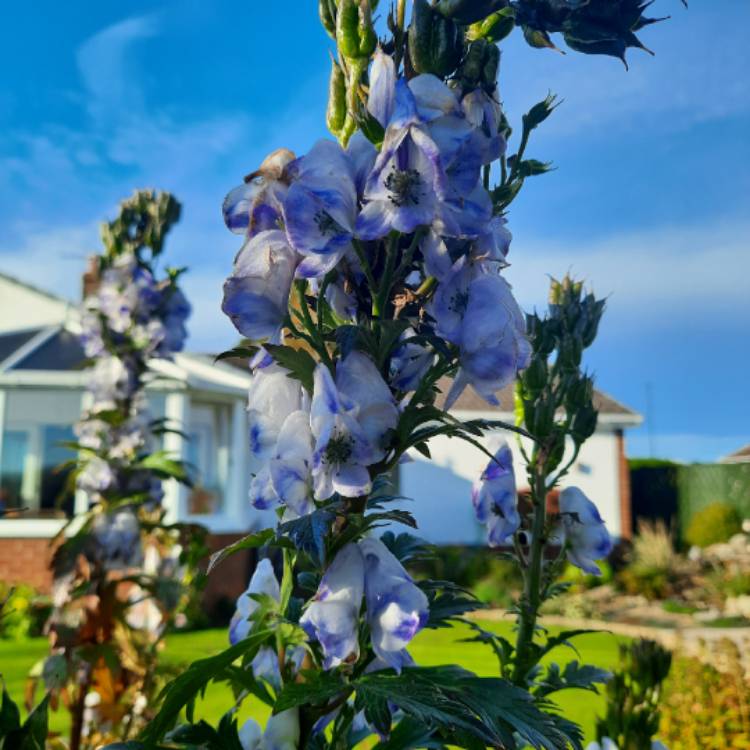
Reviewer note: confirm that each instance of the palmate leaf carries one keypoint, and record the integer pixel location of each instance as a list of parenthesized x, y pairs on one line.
[(315, 688), (163, 466), (406, 547), (464, 707), (251, 541), (300, 364), (185, 689), (574, 675), (409, 734), (448, 602), (308, 532)]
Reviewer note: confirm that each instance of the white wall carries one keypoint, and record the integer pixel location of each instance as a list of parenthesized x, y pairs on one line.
[(22, 308), (441, 488)]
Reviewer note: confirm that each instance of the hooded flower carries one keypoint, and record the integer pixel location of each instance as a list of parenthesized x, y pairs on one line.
[(407, 182), (349, 418), (112, 379), (475, 309), (495, 500), (263, 581), (256, 294), (118, 538), (332, 618), (256, 205), (396, 608), (410, 363), (320, 208), (291, 466), (583, 531), (483, 112), (381, 98), (282, 732)]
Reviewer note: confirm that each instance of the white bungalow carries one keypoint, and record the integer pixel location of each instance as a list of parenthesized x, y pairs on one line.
[(42, 394)]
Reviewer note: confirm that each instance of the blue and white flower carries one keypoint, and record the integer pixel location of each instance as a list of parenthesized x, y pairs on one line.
[(410, 363), (397, 609), (282, 732), (350, 419), (256, 294), (256, 205), (291, 466), (495, 500), (263, 581), (332, 618), (582, 530)]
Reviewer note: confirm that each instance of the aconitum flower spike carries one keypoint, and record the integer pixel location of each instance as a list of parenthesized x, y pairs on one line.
[(256, 294), (332, 618), (291, 465), (263, 581), (281, 733), (583, 531), (495, 500), (396, 608)]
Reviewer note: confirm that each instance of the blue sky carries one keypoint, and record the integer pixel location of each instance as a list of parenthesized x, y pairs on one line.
[(650, 201)]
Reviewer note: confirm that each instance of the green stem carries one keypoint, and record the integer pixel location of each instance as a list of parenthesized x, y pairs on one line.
[(384, 291), (532, 594)]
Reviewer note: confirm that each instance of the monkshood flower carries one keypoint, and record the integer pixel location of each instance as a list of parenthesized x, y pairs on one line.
[(382, 95), (475, 309), (111, 379), (332, 618), (583, 531), (91, 334), (350, 418), (118, 538), (495, 500), (484, 113), (396, 608), (493, 244), (281, 733), (96, 476), (291, 466), (256, 205), (175, 313), (410, 363), (256, 294), (407, 182), (263, 581), (320, 208)]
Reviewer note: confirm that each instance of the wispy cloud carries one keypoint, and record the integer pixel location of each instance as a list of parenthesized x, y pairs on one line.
[(665, 274)]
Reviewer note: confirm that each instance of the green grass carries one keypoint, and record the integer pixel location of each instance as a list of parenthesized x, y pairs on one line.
[(429, 648)]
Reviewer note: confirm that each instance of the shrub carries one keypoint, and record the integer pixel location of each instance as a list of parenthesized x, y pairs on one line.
[(499, 584), (24, 612), (715, 523), (653, 564), (706, 709)]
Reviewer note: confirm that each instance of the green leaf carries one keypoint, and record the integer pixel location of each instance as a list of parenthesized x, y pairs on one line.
[(33, 734), (574, 675), (164, 466), (407, 547), (409, 734), (308, 532), (299, 363), (183, 691), (463, 706), (533, 167), (10, 716), (251, 541), (239, 352), (315, 688), (448, 603)]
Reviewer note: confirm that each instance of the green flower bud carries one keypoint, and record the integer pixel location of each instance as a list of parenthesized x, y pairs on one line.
[(435, 45), (494, 28), (571, 350), (336, 111), (468, 11), (355, 34), (473, 64), (584, 424), (539, 417), (534, 377), (327, 13), (490, 66)]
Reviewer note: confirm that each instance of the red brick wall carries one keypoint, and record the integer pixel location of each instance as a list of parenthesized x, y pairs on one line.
[(626, 512), (26, 561)]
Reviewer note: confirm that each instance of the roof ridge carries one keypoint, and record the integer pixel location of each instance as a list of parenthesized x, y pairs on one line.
[(33, 288)]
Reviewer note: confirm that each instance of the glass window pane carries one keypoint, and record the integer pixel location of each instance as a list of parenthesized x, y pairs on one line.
[(15, 447), (55, 496)]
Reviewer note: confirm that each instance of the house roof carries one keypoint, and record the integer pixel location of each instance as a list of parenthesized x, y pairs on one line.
[(470, 401), (740, 456), (37, 290), (13, 341)]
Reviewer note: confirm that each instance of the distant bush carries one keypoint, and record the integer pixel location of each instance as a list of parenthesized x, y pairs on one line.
[(582, 581), (653, 563), (715, 523), (703, 708), (23, 612)]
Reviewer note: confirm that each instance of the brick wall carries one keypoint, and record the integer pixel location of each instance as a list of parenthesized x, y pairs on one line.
[(26, 561), (229, 579)]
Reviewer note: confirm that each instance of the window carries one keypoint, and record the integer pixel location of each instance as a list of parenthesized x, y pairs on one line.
[(208, 454), (37, 423)]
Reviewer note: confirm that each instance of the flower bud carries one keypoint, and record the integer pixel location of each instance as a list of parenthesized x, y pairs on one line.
[(336, 111), (534, 377), (468, 11), (435, 44), (355, 34), (584, 424), (493, 28)]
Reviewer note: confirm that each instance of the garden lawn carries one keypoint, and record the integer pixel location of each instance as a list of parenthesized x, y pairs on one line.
[(431, 647)]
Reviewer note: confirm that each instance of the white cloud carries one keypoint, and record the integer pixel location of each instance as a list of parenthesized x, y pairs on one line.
[(665, 274)]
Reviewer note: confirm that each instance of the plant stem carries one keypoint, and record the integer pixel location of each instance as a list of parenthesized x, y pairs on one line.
[(531, 598)]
